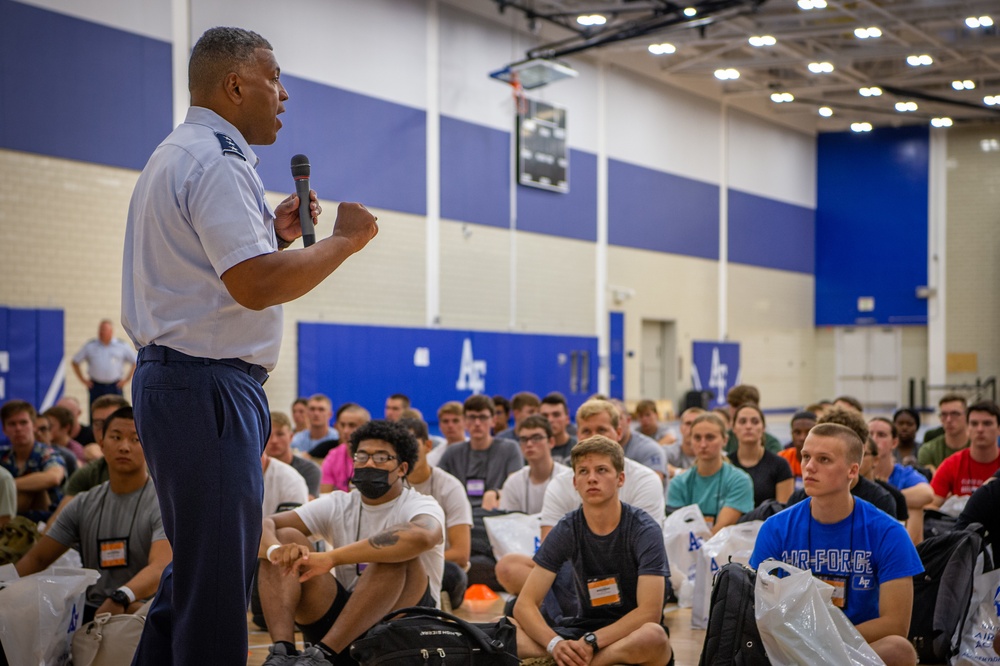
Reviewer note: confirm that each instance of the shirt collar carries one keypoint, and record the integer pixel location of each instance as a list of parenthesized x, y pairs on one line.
[(198, 115)]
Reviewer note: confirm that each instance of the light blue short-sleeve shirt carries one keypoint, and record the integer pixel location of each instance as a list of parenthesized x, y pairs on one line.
[(197, 210)]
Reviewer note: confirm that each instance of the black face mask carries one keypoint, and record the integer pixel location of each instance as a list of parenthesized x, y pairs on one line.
[(371, 482)]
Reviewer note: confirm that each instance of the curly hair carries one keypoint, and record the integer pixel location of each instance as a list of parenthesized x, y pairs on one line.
[(396, 435)]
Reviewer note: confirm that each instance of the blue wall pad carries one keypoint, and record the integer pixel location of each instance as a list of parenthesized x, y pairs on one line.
[(616, 333), (366, 364), (653, 210), (771, 234), (360, 148), (31, 355), (871, 226), (475, 173), (78, 90)]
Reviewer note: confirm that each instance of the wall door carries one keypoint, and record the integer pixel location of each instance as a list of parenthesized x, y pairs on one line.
[(658, 360), (869, 361)]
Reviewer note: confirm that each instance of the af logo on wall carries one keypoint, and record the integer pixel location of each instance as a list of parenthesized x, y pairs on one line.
[(715, 367), (472, 372)]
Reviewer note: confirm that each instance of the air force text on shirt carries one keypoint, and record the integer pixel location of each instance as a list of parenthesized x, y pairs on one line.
[(836, 561)]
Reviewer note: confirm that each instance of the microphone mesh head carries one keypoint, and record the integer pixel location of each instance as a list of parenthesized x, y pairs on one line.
[(300, 166)]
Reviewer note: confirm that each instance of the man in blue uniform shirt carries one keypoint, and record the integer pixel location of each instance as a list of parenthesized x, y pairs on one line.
[(203, 280), (865, 554)]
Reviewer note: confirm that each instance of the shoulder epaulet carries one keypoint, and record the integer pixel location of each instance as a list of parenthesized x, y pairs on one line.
[(229, 146)]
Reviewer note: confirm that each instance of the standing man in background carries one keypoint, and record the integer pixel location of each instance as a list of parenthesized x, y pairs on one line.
[(203, 279), (106, 357)]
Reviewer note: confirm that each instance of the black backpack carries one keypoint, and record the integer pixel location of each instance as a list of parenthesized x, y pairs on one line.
[(732, 638), (942, 592), (763, 511), (418, 635)]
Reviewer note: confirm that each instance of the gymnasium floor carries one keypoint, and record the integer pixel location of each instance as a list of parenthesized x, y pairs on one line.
[(687, 642)]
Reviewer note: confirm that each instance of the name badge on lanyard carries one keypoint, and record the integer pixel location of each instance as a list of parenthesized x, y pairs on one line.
[(839, 584), (475, 487), (604, 591), (114, 552)]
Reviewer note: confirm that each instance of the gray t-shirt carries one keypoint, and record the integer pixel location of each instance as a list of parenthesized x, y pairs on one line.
[(676, 456), (483, 470), (101, 515), (309, 471), (646, 451)]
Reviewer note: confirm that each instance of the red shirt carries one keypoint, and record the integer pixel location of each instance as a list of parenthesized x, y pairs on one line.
[(959, 474)]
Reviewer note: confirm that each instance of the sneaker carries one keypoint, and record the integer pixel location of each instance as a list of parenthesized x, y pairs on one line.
[(311, 656), (277, 655)]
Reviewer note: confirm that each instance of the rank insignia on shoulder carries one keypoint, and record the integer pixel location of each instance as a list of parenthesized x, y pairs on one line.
[(229, 146)]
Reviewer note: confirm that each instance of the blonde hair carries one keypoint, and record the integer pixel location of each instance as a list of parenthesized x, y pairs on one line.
[(594, 407), (601, 446)]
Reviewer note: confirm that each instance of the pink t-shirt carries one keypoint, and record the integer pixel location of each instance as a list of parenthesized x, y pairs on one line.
[(338, 468)]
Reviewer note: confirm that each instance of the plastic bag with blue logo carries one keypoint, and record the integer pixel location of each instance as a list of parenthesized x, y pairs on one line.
[(799, 624), (976, 642), (39, 614), (731, 543), (514, 533), (684, 531)]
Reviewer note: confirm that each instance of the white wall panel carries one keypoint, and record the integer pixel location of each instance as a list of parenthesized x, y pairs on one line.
[(771, 161), (150, 18)]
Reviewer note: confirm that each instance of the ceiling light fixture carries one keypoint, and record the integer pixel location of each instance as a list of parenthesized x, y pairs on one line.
[(866, 33), (906, 107), (762, 40), (825, 111), (979, 22), (861, 127), (812, 4), (690, 11), (919, 60), (782, 97), (963, 85), (727, 74), (591, 19), (991, 100), (665, 48), (874, 91), (820, 67), (941, 122)]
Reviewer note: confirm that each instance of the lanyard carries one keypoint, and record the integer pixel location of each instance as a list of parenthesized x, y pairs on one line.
[(850, 550), (100, 515)]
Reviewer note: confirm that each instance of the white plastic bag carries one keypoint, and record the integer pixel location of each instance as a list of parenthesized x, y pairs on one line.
[(954, 505), (514, 533), (799, 624), (684, 530), (40, 612), (975, 645), (733, 542)]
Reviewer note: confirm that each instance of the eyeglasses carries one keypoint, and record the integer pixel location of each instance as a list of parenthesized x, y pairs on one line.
[(534, 439), (951, 415), (479, 417), (380, 458)]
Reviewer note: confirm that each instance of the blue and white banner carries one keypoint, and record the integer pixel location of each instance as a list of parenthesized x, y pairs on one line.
[(366, 364), (715, 367), (31, 356)]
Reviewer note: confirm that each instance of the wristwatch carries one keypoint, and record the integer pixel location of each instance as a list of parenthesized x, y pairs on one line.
[(591, 640), (120, 597)]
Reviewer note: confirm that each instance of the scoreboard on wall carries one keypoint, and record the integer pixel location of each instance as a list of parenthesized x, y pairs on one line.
[(541, 146)]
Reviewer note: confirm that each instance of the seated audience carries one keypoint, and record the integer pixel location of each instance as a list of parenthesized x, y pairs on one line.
[(722, 491), (642, 489), (619, 570), (522, 405), (802, 423), (60, 425), (772, 478), (982, 508), (388, 552), (849, 403), (116, 526), (450, 494), (907, 422), (555, 409), (338, 464), (865, 555), (966, 470), (81, 433), (37, 469), (501, 415), (911, 483), (300, 414), (483, 462), (8, 497), (680, 455), (279, 447), (395, 405), (524, 490), (282, 485), (452, 427), (649, 424), (951, 411), (736, 397), (320, 411), (638, 447), (870, 461)]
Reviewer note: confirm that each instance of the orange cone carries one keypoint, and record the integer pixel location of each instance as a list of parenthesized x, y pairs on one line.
[(480, 592)]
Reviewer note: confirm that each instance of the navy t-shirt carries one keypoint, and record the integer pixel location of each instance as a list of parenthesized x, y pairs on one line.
[(606, 569)]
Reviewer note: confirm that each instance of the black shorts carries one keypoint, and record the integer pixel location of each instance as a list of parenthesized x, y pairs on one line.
[(313, 633)]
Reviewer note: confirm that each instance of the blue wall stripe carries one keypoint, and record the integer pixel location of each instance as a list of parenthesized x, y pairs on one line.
[(360, 148), (78, 90), (653, 210), (771, 234), (475, 173), (871, 225)]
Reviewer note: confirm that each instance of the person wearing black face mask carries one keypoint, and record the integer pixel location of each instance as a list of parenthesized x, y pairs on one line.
[(388, 551)]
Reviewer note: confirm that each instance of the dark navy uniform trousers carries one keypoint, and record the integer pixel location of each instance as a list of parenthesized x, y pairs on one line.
[(203, 424)]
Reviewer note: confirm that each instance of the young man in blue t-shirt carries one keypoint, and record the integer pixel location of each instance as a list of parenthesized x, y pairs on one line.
[(865, 554), (619, 569)]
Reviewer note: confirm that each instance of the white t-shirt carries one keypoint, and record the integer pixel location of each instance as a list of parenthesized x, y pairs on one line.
[(342, 518), (450, 494), (642, 489), (519, 494), (282, 484)]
